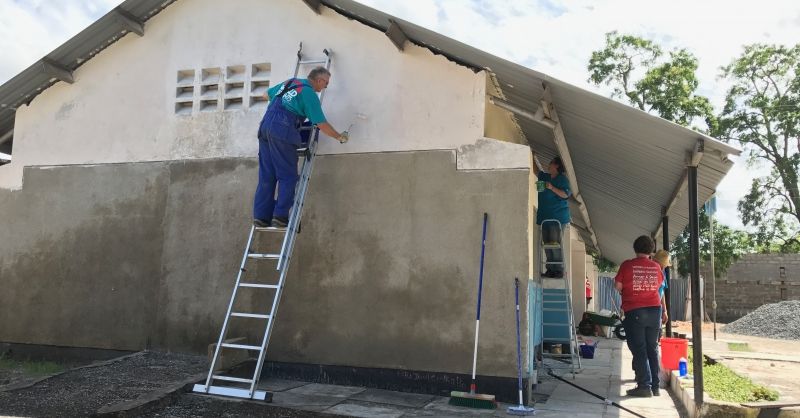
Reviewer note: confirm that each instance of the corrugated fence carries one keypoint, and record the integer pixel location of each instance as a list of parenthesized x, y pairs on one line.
[(608, 297)]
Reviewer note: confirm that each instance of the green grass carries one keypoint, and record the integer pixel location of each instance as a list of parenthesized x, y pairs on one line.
[(30, 367), (739, 347), (723, 384)]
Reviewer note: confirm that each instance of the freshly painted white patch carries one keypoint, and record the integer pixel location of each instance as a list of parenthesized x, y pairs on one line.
[(488, 154)]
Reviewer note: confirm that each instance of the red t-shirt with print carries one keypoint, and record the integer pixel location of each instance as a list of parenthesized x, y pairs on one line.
[(640, 277)]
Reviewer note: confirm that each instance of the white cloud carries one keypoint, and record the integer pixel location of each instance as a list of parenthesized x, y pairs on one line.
[(30, 29), (552, 36)]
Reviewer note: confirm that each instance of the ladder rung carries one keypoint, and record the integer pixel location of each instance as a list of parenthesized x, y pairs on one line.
[(555, 310), (551, 246), (264, 256), (270, 229), (313, 61), (242, 346), (232, 379), (262, 286), (249, 315)]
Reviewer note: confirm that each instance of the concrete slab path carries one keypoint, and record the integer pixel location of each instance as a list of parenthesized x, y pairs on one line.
[(609, 375)]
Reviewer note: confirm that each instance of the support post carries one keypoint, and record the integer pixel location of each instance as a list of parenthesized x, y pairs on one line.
[(713, 274), (694, 264), (667, 271)]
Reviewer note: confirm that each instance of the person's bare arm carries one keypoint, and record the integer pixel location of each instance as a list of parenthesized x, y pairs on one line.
[(327, 129), (664, 314), (560, 193), (618, 286)]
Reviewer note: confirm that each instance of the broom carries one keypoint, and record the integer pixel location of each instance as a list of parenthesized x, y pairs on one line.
[(472, 399)]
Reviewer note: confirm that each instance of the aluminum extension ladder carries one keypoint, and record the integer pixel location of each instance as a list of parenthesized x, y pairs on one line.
[(246, 387), (558, 322)]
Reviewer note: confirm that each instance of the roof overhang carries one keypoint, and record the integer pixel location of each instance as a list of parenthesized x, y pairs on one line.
[(630, 166)]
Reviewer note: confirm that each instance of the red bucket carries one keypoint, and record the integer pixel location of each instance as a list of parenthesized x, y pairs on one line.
[(672, 349)]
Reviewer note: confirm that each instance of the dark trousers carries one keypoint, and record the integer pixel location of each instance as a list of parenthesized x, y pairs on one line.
[(641, 328), (277, 167), (550, 234)]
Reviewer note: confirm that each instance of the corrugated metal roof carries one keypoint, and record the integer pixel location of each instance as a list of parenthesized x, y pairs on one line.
[(26, 85), (628, 163)]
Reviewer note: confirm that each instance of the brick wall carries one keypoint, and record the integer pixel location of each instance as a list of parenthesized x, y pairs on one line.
[(754, 280)]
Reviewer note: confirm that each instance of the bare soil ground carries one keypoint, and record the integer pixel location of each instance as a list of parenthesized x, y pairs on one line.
[(83, 391)]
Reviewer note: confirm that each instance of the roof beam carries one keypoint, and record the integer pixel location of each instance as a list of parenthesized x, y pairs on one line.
[(128, 21), (55, 70), (538, 116), (693, 159), (549, 112), (315, 5), (396, 35)]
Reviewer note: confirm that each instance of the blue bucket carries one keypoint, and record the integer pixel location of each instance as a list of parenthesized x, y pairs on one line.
[(587, 350)]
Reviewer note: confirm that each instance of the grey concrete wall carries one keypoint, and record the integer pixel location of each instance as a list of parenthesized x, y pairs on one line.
[(752, 281), (134, 255)]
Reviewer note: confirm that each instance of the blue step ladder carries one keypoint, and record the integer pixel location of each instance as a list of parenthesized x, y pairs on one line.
[(558, 322)]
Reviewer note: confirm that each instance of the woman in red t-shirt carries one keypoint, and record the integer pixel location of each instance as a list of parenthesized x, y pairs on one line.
[(638, 280)]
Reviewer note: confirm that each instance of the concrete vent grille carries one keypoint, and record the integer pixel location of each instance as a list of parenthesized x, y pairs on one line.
[(234, 103), (210, 90), (209, 105), (234, 89), (210, 75), (261, 71), (184, 93), (258, 102), (183, 108), (185, 77), (259, 88), (235, 73)]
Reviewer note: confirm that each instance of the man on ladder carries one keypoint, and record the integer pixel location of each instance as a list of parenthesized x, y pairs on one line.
[(279, 137)]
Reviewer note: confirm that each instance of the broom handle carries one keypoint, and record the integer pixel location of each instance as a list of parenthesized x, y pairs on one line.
[(519, 348), (480, 290)]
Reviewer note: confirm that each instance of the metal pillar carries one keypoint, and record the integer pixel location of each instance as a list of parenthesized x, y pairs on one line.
[(694, 268), (667, 272), (713, 275)]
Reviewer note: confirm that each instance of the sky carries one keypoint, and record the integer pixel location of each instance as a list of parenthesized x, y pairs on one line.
[(556, 37)]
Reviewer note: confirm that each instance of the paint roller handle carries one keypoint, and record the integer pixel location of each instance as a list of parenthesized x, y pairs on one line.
[(343, 137)]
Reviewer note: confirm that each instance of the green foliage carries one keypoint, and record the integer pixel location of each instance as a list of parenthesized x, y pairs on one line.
[(729, 245), (724, 384), (603, 264), (739, 347), (762, 113), (638, 70), (36, 368)]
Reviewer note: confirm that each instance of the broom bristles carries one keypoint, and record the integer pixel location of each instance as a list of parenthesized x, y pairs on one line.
[(473, 400)]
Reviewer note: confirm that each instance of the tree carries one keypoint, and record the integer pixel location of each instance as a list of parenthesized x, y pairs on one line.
[(729, 245), (636, 69), (762, 113)]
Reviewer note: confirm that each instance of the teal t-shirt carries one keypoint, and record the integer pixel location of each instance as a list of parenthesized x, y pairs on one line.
[(302, 101), (550, 205)]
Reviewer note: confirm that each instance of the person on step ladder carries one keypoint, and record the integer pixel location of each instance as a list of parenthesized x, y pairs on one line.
[(279, 137), (553, 205)]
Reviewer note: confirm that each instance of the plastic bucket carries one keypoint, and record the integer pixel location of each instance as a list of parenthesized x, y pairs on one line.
[(587, 351), (672, 349)]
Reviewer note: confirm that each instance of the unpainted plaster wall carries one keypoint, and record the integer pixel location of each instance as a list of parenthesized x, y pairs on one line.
[(384, 275)]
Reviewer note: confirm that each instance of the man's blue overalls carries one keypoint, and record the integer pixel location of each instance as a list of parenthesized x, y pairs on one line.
[(279, 137)]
